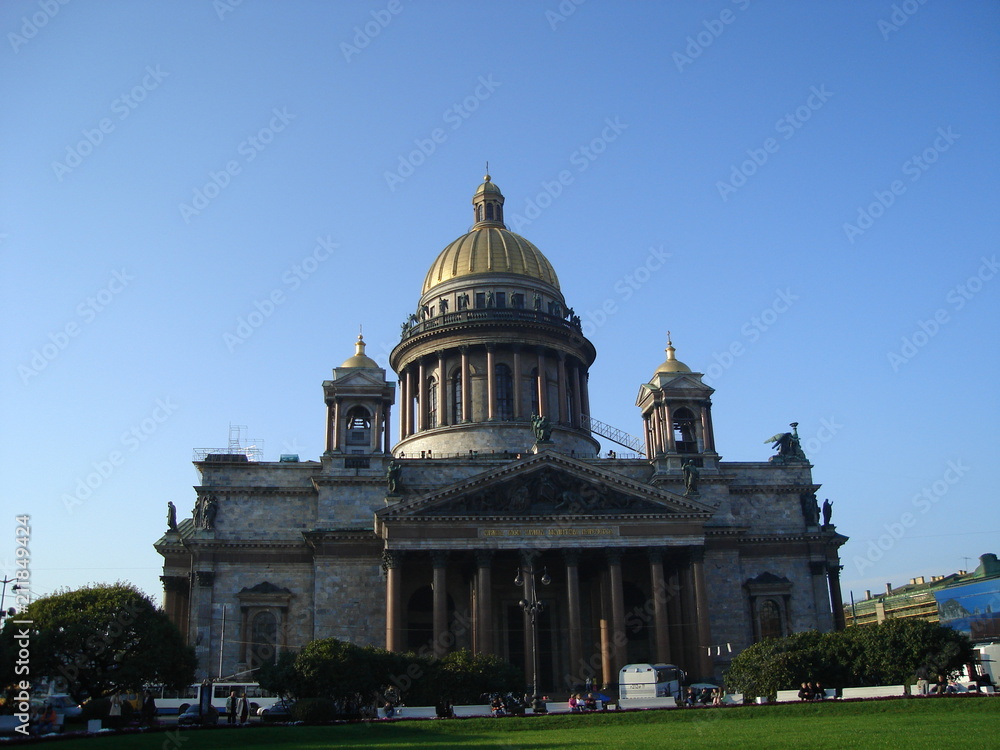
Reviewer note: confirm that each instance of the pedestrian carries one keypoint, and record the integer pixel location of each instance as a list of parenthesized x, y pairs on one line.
[(231, 707), (244, 708)]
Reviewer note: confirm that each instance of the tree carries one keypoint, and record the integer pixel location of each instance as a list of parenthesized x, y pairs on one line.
[(462, 677), (102, 639), (889, 653)]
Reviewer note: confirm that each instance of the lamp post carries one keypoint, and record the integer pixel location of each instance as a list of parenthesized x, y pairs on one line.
[(3, 596), (532, 607)]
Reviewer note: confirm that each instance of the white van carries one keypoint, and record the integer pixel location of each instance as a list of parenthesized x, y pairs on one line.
[(650, 681)]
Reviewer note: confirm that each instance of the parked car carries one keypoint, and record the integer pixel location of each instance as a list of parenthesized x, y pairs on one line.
[(280, 711), (65, 705), (193, 716)]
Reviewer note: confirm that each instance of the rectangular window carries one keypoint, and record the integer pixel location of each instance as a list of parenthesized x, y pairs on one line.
[(480, 300), (501, 299), (517, 301)]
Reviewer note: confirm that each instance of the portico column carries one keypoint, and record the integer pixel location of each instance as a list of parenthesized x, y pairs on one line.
[(701, 608), (395, 639), (518, 408), (421, 398), (466, 416), (491, 382), (484, 601), (674, 614), (439, 586), (617, 610), (659, 586), (561, 388), (542, 384), (572, 558)]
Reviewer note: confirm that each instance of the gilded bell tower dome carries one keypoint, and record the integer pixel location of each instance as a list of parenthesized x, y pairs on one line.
[(491, 344)]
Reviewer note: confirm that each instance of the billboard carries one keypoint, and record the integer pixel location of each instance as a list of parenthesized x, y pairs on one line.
[(973, 609)]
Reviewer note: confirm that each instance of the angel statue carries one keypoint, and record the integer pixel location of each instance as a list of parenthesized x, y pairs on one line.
[(788, 446)]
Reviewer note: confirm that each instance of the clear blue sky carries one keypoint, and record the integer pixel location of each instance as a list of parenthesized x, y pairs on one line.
[(738, 137)]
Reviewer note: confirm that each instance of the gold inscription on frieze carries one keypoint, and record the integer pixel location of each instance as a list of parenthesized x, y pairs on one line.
[(608, 531)]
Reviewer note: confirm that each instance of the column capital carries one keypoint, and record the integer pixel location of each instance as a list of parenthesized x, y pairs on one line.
[(696, 554), (614, 556), (572, 557), (656, 554), (439, 558), (392, 558)]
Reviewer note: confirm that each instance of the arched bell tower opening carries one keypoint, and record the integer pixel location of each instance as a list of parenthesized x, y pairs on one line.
[(491, 344)]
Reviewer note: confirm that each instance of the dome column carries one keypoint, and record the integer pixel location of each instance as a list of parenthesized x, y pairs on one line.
[(421, 397), (542, 384), (442, 392), (466, 416), (561, 388), (585, 393), (577, 395), (518, 410), (491, 382)]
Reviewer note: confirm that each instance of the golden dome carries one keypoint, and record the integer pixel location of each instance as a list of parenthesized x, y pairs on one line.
[(672, 365), (488, 186), (490, 249), (360, 359)]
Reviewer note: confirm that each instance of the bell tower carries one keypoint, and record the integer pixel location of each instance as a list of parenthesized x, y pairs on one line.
[(358, 400), (677, 417)]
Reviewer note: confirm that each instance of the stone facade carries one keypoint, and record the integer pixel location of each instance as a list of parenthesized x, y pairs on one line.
[(672, 555)]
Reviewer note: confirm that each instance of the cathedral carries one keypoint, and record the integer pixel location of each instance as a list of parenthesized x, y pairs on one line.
[(493, 522)]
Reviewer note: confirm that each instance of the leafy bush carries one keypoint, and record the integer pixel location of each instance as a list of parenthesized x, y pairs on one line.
[(315, 710)]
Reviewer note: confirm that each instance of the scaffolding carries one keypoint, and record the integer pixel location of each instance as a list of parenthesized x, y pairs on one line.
[(613, 434), (239, 445)]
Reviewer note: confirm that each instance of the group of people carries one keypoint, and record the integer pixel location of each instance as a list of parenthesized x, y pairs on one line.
[(578, 703), (812, 691), (237, 708), (703, 696)]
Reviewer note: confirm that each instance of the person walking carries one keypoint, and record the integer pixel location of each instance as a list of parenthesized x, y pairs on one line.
[(244, 708), (231, 707)]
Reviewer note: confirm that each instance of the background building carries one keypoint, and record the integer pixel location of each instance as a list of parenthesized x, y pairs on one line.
[(968, 602), (496, 492)]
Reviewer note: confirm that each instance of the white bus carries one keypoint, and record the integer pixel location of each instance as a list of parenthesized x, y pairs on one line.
[(645, 681), (177, 701)]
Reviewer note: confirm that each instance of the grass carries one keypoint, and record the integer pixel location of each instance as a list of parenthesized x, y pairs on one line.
[(968, 722)]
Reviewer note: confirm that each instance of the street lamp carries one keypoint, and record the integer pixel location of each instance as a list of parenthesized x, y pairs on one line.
[(3, 596), (532, 608)]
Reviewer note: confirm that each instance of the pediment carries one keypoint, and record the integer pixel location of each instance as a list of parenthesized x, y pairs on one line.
[(544, 486), (353, 378)]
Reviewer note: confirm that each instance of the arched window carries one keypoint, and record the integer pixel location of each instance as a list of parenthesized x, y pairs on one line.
[(489, 212), (479, 212), (432, 402), (456, 397), (359, 426), (263, 639), (505, 392), (769, 615), (684, 432)]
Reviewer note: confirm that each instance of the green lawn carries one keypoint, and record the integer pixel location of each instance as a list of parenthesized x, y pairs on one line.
[(899, 724)]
